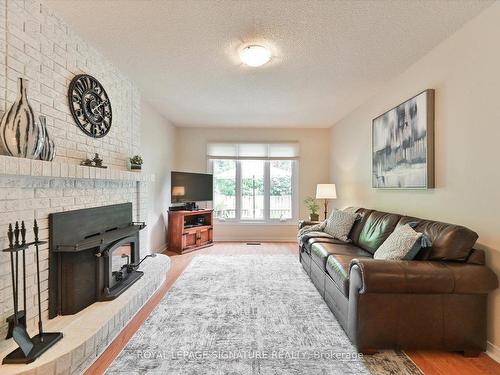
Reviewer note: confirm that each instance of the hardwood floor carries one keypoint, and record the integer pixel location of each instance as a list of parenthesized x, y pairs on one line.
[(443, 363), (431, 363)]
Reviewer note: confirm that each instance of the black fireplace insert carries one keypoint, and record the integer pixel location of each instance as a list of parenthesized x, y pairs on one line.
[(94, 256)]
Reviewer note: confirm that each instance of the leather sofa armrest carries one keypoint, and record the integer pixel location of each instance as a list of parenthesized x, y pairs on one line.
[(307, 223), (421, 277)]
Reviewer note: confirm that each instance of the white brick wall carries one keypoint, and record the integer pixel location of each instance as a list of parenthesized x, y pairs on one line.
[(37, 45), (28, 198)]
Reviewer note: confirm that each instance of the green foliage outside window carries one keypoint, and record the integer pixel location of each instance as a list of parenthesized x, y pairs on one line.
[(227, 186), (279, 186)]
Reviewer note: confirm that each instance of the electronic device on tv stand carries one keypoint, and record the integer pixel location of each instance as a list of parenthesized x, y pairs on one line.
[(191, 206), (177, 207), (184, 206)]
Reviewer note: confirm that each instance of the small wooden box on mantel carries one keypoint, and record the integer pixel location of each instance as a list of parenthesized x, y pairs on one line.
[(190, 230)]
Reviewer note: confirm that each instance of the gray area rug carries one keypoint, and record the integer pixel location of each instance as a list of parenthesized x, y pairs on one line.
[(247, 314)]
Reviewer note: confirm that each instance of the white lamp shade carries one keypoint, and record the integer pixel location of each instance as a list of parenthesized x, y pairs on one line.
[(326, 191), (178, 191)]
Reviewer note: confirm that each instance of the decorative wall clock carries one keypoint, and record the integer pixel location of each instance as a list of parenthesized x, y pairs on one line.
[(90, 106)]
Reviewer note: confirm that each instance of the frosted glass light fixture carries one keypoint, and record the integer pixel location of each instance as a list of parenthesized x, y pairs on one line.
[(255, 55)]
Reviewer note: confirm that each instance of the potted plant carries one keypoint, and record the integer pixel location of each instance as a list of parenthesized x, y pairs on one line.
[(313, 208), (136, 162)]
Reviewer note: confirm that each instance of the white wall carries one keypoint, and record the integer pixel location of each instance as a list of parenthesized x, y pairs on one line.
[(313, 169), (465, 72), (158, 150)]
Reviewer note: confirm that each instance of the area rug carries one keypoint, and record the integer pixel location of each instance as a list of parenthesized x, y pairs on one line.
[(247, 314)]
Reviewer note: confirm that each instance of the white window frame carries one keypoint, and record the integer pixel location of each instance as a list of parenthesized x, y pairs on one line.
[(267, 193)]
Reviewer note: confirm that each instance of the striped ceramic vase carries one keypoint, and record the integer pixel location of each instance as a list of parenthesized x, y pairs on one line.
[(21, 135), (48, 149)]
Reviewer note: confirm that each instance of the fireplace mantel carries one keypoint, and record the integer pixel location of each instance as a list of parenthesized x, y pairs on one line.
[(13, 166)]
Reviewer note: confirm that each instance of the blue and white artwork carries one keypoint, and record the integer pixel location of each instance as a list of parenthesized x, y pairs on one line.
[(403, 143)]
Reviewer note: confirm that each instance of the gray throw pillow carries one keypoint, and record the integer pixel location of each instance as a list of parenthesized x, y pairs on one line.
[(339, 224), (402, 244)]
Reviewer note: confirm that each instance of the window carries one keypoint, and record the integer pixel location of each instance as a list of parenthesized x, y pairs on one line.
[(280, 192), (252, 189), (254, 182), (225, 188)]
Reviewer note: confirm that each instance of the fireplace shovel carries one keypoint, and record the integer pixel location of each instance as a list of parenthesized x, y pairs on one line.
[(19, 333), (29, 348)]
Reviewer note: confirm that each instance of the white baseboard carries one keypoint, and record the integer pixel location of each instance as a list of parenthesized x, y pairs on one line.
[(161, 249), (493, 351)]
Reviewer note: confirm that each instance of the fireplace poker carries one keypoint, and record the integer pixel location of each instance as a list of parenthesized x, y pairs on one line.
[(40, 326), (19, 333), (10, 234), (23, 243)]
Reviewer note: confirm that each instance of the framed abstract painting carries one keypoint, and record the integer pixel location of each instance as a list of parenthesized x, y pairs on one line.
[(403, 145)]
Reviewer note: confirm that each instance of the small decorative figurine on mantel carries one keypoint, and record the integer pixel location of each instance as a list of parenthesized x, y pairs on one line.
[(135, 163), (95, 162)]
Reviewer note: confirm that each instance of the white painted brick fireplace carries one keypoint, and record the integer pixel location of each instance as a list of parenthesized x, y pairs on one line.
[(35, 44), (27, 196), (32, 189)]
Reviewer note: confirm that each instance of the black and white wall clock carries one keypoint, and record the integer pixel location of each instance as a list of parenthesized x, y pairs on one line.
[(90, 105)]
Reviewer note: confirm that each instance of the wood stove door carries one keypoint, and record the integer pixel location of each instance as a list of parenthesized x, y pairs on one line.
[(120, 254)]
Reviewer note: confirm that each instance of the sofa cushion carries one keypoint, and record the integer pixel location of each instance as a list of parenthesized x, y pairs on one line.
[(378, 226), (306, 245), (303, 239), (449, 241), (321, 250), (337, 266), (364, 213)]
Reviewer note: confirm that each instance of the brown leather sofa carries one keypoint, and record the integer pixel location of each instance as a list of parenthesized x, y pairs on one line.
[(437, 301)]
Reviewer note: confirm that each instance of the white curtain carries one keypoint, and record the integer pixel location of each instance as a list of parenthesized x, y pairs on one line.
[(265, 151)]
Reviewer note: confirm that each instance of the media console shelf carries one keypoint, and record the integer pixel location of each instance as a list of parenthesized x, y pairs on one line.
[(189, 230)]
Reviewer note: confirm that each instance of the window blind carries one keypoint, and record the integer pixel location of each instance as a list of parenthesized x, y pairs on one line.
[(266, 151)]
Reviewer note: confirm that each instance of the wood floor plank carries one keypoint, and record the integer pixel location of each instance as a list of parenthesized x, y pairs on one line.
[(431, 363), (444, 363)]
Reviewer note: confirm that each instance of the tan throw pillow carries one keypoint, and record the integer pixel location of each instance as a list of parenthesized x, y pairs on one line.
[(339, 224)]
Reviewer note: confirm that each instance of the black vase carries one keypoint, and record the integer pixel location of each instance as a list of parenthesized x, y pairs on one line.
[(21, 135)]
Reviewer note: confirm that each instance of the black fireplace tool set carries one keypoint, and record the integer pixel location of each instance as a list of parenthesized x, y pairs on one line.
[(30, 348)]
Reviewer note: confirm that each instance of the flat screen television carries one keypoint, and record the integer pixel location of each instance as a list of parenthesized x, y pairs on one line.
[(191, 187)]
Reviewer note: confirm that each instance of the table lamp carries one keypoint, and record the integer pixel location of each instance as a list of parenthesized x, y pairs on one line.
[(326, 191)]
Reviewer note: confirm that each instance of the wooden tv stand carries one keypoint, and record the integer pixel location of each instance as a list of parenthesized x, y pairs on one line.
[(190, 230)]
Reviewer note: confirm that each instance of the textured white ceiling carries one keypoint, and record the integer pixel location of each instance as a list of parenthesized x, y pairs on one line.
[(329, 56)]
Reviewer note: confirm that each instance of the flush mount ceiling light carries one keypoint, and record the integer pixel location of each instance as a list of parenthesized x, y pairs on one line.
[(255, 55)]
